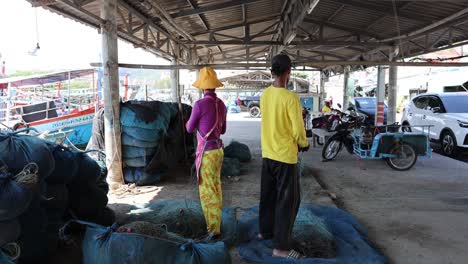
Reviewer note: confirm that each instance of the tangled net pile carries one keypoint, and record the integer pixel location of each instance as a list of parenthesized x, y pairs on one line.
[(312, 236), (182, 217)]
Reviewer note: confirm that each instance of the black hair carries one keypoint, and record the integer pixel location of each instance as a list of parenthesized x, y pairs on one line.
[(280, 64)]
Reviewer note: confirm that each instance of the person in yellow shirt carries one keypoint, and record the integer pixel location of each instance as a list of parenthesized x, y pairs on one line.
[(326, 109), (282, 136)]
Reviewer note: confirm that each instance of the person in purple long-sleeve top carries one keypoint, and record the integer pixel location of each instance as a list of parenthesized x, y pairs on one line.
[(208, 118)]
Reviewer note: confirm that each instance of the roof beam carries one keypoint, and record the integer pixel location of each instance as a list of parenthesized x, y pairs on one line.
[(330, 18), (377, 8), (212, 7), (202, 19), (145, 19), (292, 17), (170, 22), (341, 27), (237, 25), (294, 43), (328, 54), (458, 18), (85, 2), (401, 7), (461, 30), (317, 64)]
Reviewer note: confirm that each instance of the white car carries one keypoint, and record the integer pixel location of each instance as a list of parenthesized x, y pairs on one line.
[(447, 113)]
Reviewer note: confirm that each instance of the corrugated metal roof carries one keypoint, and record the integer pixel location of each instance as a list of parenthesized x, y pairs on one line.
[(367, 21)]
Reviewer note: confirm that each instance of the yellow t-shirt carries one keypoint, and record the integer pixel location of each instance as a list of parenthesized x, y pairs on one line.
[(282, 125), (326, 109)]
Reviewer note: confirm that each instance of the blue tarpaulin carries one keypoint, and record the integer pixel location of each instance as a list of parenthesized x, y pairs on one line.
[(350, 238)]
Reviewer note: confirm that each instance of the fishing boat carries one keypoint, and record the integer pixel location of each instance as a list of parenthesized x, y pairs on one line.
[(37, 102)]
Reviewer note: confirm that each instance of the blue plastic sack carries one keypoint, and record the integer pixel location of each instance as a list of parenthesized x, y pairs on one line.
[(143, 134), (9, 231), (350, 239), (104, 246), (129, 140), (14, 199), (136, 152), (16, 151), (139, 162), (129, 118), (140, 177)]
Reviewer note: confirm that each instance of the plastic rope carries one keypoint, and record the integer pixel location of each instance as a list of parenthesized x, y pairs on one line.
[(12, 250)]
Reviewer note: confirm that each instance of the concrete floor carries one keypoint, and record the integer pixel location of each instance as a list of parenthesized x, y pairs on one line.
[(417, 216)]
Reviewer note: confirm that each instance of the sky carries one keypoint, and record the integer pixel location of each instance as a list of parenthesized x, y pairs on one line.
[(65, 43)]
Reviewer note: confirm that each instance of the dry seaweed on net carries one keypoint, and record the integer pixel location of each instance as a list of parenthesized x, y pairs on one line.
[(187, 221), (312, 237), (182, 218)]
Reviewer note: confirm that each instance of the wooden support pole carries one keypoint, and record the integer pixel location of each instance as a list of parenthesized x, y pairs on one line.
[(322, 90), (174, 82), (111, 94), (345, 87), (380, 95)]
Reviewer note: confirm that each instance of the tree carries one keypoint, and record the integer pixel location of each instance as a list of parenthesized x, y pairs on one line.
[(302, 75)]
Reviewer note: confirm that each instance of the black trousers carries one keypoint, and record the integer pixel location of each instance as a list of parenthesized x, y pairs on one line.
[(279, 202)]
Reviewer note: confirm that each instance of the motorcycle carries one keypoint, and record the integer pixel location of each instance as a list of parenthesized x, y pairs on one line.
[(343, 137), (328, 122)]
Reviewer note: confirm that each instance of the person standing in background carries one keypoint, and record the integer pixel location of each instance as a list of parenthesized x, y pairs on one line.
[(208, 118), (282, 136)]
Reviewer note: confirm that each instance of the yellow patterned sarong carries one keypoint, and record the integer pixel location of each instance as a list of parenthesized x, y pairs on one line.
[(211, 195)]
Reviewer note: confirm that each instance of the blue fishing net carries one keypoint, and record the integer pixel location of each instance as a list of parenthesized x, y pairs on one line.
[(185, 218), (316, 226)]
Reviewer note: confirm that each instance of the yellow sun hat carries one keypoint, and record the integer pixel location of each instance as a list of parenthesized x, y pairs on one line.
[(207, 79)]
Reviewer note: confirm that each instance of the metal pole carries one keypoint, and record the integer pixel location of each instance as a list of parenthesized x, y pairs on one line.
[(174, 82), (345, 87), (392, 90), (380, 94), (111, 94)]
